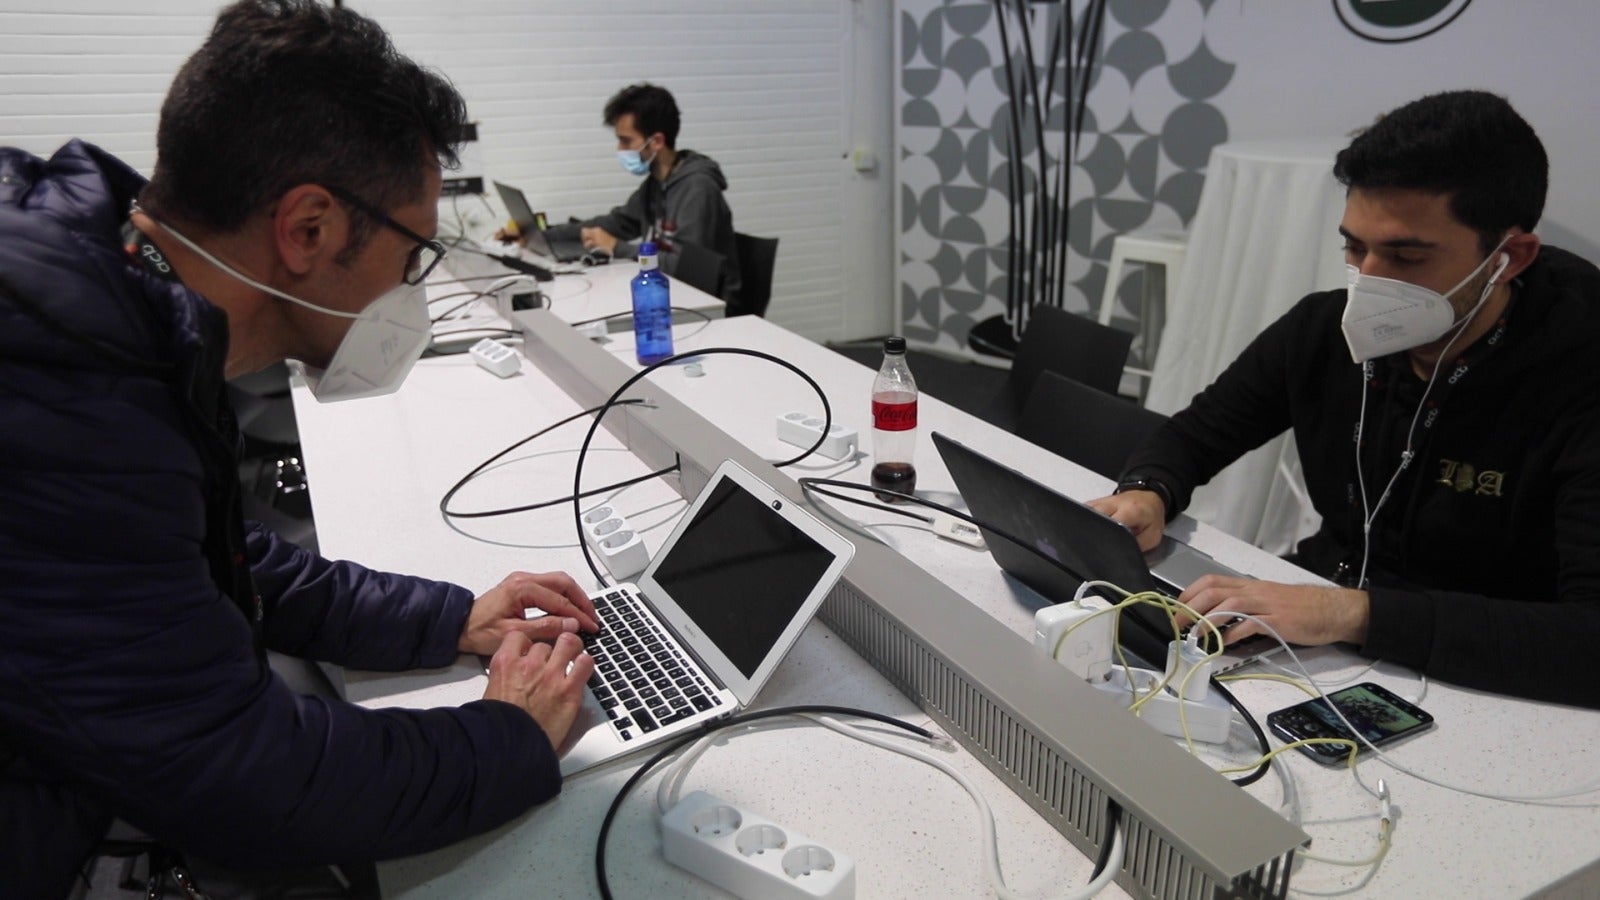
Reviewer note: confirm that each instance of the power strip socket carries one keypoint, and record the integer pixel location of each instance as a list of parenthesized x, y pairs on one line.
[(610, 537), (1209, 719), (750, 856), (594, 331), (496, 357), (802, 430)]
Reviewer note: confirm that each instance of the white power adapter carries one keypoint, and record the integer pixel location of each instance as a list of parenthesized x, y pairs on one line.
[(610, 537), (959, 530), (802, 430), (750, 856), (1078, 637), (1189, 668)]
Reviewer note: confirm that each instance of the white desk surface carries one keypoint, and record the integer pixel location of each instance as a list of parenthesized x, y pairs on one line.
[(378, 467), (577, 293)]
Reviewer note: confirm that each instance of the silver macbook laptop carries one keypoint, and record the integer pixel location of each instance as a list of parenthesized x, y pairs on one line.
[(708, 621), (532, 227), (1085, 546)]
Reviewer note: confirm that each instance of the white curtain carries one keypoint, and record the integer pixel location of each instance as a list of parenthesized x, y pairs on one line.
[(1265, 235)]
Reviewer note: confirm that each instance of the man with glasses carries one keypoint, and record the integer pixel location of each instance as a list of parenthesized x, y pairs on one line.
[(289, 216)]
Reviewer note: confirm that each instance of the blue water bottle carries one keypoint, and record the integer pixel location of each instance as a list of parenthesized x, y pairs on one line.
[(652, 309)]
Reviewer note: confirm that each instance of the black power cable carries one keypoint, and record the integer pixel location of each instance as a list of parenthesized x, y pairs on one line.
[(1036, 261), (472, 297), (1015, 211), (444, 502), (1087, 56), (1261, 736), (1056, 265), (628, 313), (583, 450), (1038, 245)]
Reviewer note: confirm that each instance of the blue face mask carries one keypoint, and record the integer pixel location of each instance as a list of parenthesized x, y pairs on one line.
[(633, 162)]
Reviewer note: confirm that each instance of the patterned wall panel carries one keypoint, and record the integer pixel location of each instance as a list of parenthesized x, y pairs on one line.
[(1148, 131)]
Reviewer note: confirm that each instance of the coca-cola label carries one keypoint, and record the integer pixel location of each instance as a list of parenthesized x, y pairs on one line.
[(894, 416)]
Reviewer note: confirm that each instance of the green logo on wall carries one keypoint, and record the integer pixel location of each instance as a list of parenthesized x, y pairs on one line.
[(1394, 21)]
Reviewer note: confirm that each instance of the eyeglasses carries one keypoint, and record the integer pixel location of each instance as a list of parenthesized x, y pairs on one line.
[(424, 256)]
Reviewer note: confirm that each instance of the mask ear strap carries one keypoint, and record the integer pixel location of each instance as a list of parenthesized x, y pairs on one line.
[(264, 288)]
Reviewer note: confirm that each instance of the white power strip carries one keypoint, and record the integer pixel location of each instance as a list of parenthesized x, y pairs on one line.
[(610, 537), (802, 430), (1080, 638), (496, 357), (1208, 719), (749, 856)]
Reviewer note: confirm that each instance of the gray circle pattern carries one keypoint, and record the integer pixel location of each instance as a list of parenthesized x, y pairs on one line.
[(954, 187)]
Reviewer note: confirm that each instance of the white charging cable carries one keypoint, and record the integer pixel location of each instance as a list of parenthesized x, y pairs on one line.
[(1372, 863), (1406, 455), (1578, 790)]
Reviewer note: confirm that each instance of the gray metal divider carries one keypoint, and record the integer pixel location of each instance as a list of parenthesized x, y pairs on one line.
[(1061, 745)]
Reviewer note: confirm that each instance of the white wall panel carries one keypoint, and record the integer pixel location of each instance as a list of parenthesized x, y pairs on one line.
[(779, 93), (763, 89), (92, 69)]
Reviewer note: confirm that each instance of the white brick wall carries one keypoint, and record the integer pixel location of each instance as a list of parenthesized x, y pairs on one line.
[(778, 93)]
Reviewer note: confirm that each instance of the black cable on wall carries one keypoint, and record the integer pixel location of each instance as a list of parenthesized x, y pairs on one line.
[(1036, 260)]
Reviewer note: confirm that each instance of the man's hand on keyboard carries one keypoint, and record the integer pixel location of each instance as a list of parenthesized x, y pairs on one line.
[(545, 680), (503, 609)]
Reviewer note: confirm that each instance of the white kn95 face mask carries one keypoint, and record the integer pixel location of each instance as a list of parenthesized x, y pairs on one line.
[(1386, 315), (378, 351)]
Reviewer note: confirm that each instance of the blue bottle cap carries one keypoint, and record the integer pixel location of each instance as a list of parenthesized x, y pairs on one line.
[(648, 248)]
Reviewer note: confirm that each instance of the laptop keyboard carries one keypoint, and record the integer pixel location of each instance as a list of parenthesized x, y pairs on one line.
[(642, 679)]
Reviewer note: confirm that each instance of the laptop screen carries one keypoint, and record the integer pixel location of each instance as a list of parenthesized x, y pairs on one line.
[(741, 572), (1083, 543), (516, 207)]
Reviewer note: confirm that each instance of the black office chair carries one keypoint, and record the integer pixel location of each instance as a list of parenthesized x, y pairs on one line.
[(698, 267), (270, 471), (757, 258), (1092, 428), (1058, 341)]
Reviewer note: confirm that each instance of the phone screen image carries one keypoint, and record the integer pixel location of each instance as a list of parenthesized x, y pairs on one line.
[(1378, 715), (1375, 717)]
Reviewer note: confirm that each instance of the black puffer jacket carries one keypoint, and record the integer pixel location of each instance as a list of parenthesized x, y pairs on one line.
[(131, 678)]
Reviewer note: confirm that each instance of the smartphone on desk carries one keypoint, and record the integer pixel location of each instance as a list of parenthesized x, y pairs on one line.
[(1380, 715)]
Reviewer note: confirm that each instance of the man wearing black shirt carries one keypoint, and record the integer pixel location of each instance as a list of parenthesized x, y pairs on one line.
[(1447, 411)]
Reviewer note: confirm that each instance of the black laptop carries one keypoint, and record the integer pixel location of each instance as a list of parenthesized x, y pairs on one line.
[(531, 225), (1088, 547)]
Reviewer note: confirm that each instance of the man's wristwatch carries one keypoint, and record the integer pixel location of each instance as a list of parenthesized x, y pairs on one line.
[(1155, 486)]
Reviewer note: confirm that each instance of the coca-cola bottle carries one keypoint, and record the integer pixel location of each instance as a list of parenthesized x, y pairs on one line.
[(894, 423)]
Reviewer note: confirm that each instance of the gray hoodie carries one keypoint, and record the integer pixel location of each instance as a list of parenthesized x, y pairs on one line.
[(687, 208)]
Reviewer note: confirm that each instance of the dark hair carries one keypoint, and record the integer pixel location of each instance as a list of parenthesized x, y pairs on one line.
[(291, 92), (652, 107), (1469, 144)]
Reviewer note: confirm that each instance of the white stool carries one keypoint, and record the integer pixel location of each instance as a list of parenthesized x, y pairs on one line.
[(1164, 249)]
